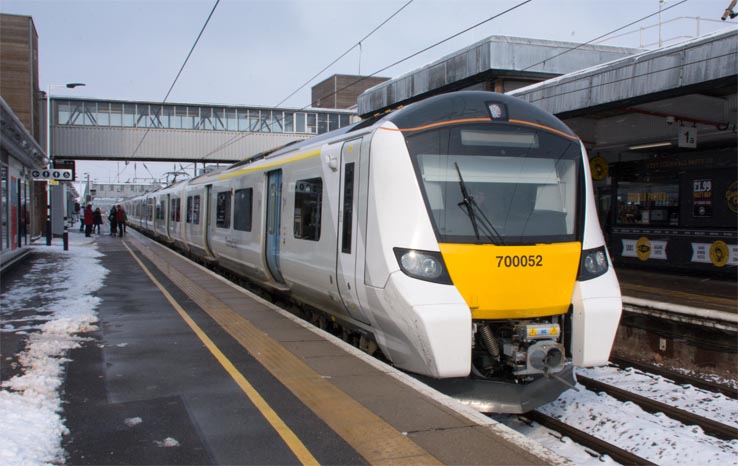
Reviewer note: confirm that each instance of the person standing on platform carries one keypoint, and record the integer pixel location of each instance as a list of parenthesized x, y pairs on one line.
[(89, 219), (120, 218), (113, 221), (97, 221)]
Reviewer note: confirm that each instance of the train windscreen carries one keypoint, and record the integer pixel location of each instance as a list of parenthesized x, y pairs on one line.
[(500, 184)]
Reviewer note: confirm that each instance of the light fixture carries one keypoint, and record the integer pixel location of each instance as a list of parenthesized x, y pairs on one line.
[(650, 146), (50, 160)]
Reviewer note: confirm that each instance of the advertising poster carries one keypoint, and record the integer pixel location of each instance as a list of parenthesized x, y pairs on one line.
[(702, 198)]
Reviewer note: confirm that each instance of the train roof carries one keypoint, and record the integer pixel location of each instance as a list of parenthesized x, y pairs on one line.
[(472, 105), (455, 106)]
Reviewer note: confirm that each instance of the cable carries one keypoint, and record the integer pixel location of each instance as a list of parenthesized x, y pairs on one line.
[(241, 136), (604, 35), (437, 44), (346, 52), (192, 49)]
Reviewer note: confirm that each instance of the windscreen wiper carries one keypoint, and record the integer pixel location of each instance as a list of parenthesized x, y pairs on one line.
[(472, 209)]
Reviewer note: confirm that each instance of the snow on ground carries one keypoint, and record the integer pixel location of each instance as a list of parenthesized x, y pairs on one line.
[(715, 406), (64, 282), (654, 437), (554, 441)]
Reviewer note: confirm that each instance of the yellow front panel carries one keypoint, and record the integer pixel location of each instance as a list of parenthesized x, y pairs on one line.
[(504, 282)]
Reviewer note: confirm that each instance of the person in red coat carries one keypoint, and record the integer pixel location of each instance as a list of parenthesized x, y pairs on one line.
[(120, 219), (89, 219)]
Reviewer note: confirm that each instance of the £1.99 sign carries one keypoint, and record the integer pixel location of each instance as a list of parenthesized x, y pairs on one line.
[(52, 174)]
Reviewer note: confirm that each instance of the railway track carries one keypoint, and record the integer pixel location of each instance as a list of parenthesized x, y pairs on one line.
[(626, 453), (676, 377), (710, 427), (586, 440)]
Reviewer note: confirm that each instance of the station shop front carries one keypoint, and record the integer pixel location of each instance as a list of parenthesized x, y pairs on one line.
[(673, 211)]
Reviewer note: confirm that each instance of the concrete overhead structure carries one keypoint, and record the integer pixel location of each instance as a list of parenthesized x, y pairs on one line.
[(648, 97), (659, 126), (497, 63)]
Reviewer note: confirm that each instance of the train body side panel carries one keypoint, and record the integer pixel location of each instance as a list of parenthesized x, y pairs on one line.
[(597, 302), (423, 327), (308, 252), (239, 251)]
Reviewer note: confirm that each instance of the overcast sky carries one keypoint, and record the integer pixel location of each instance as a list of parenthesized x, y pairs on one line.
[(257, 52)]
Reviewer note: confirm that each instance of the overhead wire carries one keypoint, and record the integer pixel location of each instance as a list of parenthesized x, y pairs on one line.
[(453, 36), (241, 136), (346, 52), (181, 69), (604, 35), (238, 137)]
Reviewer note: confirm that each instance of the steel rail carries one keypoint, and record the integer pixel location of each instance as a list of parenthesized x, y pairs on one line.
[(710, 427), (589, 441), (676, 377)]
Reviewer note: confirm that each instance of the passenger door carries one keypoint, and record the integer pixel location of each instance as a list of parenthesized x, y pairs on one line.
[(348, 268), (206, 209), (273, 223)]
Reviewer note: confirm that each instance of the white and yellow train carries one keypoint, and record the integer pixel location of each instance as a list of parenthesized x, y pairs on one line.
[(458, 235)]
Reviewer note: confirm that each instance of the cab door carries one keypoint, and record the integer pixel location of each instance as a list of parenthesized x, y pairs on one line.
[(273, 223), (348, 268)]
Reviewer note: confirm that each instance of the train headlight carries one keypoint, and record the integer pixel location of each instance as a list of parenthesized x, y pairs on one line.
[(423, 265), (593, 263)]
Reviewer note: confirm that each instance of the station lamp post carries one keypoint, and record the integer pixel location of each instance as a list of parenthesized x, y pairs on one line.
[(48, 153)]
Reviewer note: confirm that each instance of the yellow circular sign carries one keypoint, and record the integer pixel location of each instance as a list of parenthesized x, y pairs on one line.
[(643, 248), (599, 167), (719, 253), (731, 196)]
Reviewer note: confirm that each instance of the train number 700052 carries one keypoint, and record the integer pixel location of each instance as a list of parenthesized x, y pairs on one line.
[(520, 261)]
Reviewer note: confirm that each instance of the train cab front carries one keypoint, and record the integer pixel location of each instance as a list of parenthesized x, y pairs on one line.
[(506, 195)]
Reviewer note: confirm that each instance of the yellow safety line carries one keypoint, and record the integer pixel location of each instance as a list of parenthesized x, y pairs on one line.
[(289, 437), (372, 437)]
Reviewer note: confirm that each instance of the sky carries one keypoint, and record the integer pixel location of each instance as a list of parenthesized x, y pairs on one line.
[(258, 52), (32, 422)]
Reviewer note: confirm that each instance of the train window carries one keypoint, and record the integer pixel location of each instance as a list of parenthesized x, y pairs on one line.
[(223, 210), (348, 208), (523, 183), (193, 209), (175, 204), (308, 208), (160, 210), (242, 209), (196, 210)]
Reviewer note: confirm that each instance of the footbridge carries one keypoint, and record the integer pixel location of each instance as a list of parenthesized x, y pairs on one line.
[(86, 129)]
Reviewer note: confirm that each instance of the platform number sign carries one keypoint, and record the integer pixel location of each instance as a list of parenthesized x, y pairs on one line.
[(52, 174)]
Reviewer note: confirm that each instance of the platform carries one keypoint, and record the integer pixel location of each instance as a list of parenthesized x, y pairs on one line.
[(187, 368), (697, 291), (235, 380)]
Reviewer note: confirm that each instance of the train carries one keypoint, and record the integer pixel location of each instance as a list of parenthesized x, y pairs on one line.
[(457, 237)]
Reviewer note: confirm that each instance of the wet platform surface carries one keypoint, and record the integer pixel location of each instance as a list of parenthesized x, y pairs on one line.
[(182, 355)]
